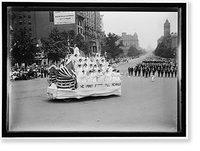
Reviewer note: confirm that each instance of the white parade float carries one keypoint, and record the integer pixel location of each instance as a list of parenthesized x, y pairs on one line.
[(85, 90), (82, 77)]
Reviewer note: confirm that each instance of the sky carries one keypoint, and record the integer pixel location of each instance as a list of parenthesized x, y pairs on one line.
[(149, 26)]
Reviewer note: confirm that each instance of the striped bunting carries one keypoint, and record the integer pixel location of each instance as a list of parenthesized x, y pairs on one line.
[(66, 85), (66, 78), (53, 78), (66, 73)]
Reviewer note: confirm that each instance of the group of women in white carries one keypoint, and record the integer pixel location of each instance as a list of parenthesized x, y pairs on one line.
[(93, 69)]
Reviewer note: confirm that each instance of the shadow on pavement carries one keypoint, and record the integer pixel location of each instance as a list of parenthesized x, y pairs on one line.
[(85, 99)]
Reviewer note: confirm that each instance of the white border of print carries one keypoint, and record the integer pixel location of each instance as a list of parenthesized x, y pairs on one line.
[(107, 138)]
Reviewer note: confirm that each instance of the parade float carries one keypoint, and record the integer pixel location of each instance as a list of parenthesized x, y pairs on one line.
[(79, 77)]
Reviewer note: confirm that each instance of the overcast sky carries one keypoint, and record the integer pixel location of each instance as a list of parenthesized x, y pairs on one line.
[(148, 25)]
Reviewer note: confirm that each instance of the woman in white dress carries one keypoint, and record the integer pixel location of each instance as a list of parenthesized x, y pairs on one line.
[(95, 67), (82, 77), (108, 77), (91, 67), (79, 69), (116, 75), (90, 77), (85, 67), (99, 76), (76, 50)]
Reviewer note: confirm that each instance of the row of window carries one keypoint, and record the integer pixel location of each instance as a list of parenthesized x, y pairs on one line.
[(80, 30), (29, 30), (22, 28), (80, 23), (24, 16), (21, 22)]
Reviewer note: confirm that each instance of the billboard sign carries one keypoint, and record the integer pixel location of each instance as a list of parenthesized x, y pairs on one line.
[(64, 17)]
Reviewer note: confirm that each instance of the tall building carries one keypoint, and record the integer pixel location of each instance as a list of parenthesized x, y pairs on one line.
[(170, 39), (130, 40), (101, 22), (24, 20), (40, 24), (92, 30), (174, 40), (166, 28)]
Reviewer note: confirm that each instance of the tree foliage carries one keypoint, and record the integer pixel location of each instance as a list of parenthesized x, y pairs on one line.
[(72, 36), (56, 45), (24, 47), (163, 51), (82, 44), (132, 51), (112, 49)]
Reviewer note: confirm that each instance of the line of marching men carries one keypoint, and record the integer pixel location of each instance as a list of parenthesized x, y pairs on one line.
[(148, 68)]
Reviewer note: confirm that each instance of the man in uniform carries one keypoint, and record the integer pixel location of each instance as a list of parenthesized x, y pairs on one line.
[(147, 71), (143, 71), (139, 71), (165, 71), (129, 71), (168, 72), (175, 71), (158, 71), (161, 72), (135, 69)]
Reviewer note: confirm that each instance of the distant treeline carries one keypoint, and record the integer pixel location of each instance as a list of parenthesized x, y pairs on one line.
[(132, 51)]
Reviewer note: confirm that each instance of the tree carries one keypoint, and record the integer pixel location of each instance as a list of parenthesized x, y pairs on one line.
[(24, 47), (82, 44), (79, 41), (160, 49), (163, 51), (72, 36), (133, 52), (55, 46), (112, 49)]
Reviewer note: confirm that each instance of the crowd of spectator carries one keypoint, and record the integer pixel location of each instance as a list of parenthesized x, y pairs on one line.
[(28, 72)]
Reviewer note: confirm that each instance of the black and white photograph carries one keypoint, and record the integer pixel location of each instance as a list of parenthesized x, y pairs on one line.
[(98, 70)]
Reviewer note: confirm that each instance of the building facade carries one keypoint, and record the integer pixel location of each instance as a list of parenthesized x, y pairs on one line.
[(166, 28), (24, 20), (92, 30), (130, 40), (174, 40), (170, 39), (40, 24)]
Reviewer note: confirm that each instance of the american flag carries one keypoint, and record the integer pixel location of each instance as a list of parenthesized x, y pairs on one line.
[(66, 78)]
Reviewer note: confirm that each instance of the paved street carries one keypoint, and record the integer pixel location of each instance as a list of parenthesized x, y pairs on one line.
[(143, 106)]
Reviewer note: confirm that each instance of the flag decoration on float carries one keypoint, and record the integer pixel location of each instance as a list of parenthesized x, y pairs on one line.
[(64, 83), (66, 78)]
